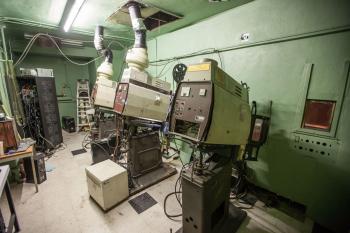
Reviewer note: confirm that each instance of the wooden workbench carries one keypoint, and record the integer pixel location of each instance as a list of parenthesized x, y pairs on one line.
[(30, 152)]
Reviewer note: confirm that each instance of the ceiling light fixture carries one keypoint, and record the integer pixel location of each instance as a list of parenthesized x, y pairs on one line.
[(60, 41), (73, 14)]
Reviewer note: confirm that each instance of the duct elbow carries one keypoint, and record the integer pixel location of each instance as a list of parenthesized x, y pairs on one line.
[(137, 57), (99, 46), (98, 38), (137, 24), (108, 55)]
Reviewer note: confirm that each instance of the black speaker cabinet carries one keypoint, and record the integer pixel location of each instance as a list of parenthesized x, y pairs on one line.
[(102, 150), (39, 163), (68, 124), (144, 154)]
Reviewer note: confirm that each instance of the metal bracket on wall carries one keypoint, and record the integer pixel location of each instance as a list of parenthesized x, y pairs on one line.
[(304, 89), (344, 93)]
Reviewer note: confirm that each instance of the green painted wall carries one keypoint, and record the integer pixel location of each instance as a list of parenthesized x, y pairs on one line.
[(285, 36), (66, 74)]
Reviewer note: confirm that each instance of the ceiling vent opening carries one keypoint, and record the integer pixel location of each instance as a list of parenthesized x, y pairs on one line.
[(158, 19), (153, 16)]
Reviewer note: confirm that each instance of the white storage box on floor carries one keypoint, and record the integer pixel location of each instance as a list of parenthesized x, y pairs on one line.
[(107, 183)]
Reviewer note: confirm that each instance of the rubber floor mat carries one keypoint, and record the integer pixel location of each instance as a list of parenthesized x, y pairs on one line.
[(142, 202), (77, 152)]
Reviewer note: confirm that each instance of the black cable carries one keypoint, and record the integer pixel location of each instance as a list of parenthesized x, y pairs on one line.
[(109, 138), (164, 206), (178, 181), (177, 192), (245, 208), (86, 141)]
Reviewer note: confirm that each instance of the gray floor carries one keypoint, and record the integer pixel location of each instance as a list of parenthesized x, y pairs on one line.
[(63, 204)]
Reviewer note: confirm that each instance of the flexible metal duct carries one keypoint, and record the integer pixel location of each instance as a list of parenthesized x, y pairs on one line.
[(98, 42), (137, 24)]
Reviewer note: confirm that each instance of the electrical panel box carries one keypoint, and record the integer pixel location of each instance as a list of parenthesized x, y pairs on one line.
[(141, 96), (210, 107), (107, 183), (103, 93)]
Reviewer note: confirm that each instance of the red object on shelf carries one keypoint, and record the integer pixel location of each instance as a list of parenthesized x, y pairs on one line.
[(8, 135)]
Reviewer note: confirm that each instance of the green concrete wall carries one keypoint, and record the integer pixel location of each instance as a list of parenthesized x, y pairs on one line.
[(295, 49), (66, 74)]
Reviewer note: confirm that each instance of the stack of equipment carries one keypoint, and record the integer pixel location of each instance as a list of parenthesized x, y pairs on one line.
[(141, 105), (211, 112)]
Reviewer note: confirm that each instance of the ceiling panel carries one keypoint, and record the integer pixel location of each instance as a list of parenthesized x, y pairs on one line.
[(95, 12), (47, 11)]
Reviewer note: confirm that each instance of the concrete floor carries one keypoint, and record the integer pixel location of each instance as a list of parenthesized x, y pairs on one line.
[(63, 204)]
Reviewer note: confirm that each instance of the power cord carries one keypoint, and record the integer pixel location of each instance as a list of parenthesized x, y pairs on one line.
[(177, 191)]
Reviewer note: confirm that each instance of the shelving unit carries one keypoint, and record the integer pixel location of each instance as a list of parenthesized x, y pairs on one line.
[(83, 104)]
